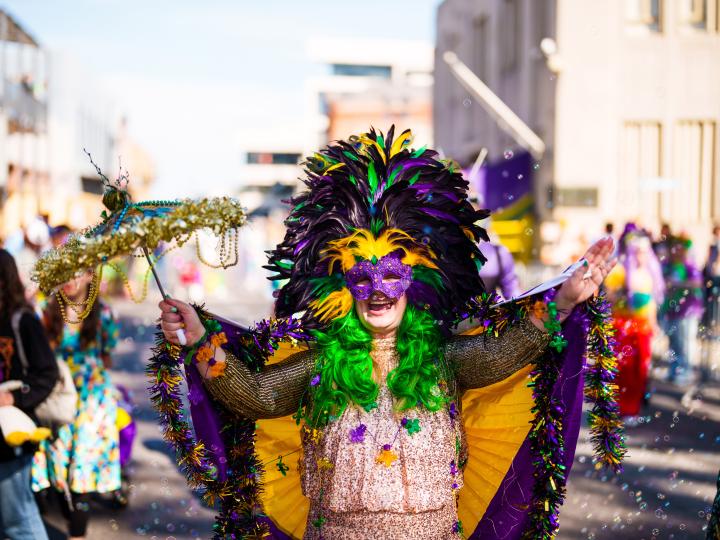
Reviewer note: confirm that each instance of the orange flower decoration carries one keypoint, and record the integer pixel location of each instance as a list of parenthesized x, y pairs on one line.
[(205, 353), (218, 340), (539, 309), (218, 369)]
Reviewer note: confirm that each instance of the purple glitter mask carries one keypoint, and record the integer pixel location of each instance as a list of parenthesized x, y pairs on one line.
[(388, 276)]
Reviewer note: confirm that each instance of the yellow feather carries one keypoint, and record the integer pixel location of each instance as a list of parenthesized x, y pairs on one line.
[(469, 234), (367, 141), (335, 305), (400, 142), (336, 166), (364, 245)]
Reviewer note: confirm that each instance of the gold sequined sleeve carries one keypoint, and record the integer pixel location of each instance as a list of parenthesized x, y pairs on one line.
[(482, 360), (273, 392)]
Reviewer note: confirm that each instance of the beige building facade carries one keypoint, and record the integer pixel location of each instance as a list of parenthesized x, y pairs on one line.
[(624, 93)]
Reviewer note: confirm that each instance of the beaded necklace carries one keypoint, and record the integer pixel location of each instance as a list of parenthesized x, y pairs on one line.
[(82, 309)]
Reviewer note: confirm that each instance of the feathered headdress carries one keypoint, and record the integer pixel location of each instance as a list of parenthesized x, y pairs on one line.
[(372, 196)]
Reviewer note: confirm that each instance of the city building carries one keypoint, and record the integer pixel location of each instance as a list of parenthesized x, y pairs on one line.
[(623, 94), (53, 113), (367, 83), (24, 160)]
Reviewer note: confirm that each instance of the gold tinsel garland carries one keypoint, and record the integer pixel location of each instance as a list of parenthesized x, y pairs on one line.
[(85, 251)]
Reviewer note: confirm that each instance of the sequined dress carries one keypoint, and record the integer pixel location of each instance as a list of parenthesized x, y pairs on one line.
[(371, 473)]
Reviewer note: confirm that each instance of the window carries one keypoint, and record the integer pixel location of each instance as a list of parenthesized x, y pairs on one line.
[(695, 169), (699, 15), (480, 48), (641, 172), (510, 35), (272, 158), (644, 15), (693, 13), (353, 70)]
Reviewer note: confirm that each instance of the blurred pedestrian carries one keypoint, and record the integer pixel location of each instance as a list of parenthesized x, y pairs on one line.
[(636, 288), (661, 246), (59, 235), (498, 272), (19, 515), (711, 316), (683, 306), (36, 240), (85, 457), (713, 530)]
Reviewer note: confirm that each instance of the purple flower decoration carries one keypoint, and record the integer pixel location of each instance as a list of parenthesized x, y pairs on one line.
[(357, 435), (387, 447), (453, 410), (195, 395), (453, 468), (315, 380)]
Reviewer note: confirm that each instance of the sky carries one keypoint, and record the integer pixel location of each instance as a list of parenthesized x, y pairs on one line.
[(191, 75)]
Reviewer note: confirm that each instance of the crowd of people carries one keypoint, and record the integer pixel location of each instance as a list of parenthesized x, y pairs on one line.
[(660, 291), (83, 451)]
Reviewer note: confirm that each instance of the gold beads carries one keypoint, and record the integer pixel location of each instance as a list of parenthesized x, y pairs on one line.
[(82, 309), (228, 250)]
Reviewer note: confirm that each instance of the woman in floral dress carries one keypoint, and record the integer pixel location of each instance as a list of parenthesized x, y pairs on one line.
[(84, 458)]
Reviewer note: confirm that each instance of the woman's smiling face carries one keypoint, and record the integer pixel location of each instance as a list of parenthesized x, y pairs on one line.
[(380, 314)]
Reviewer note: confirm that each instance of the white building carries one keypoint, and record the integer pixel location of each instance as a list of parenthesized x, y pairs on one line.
[(24, 166), (624, 93), (51, 110), (368, 82)]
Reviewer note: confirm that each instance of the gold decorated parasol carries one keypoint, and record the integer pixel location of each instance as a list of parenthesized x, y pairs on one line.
[(137, 229)]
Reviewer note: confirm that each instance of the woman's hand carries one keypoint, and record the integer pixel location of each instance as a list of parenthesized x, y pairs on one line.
[(176, 315), (584, 281), (6, 399)]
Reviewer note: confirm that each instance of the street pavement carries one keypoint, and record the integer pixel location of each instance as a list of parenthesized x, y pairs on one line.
[(665, 491)]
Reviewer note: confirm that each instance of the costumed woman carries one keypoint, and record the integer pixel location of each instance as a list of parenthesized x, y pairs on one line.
[(84, 457), (683, 307), (636, 289), (397, 414)]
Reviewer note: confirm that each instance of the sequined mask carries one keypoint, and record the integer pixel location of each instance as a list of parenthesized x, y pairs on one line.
[(388, 276)]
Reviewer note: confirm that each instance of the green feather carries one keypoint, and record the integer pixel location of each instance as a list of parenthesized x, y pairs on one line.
[(414, 178), (323, 286), (376, 225), (429, 276), (478, 263), (392, 176), (372, 180), (381, 141), (284, 264), (350, 155), (419, 152), (353, 179)]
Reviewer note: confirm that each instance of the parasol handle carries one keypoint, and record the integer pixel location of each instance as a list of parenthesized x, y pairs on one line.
[(179, 333), (152, 267)]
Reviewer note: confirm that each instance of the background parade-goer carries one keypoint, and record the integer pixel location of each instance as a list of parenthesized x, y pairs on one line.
[(682, 308), (636, 287), (85, 456), (498, 272), (19, 516)]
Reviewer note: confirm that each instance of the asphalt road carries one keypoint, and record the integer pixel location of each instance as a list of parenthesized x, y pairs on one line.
[(664, 493)]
